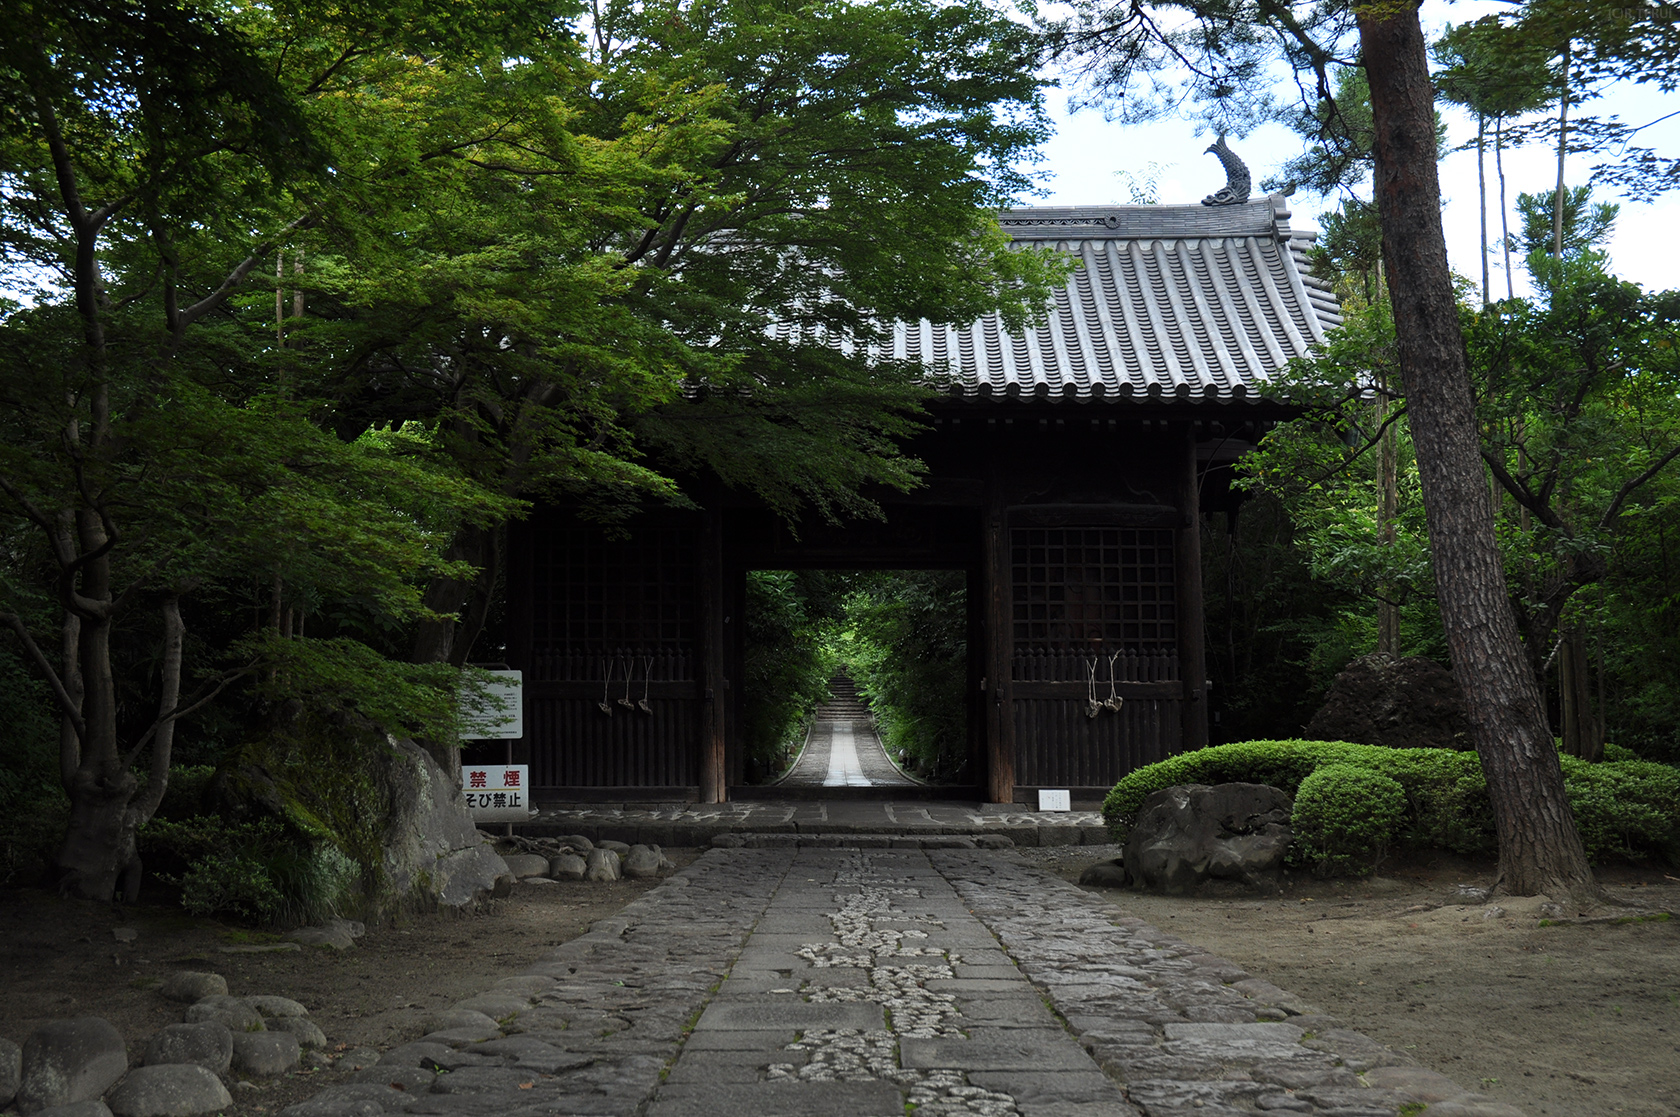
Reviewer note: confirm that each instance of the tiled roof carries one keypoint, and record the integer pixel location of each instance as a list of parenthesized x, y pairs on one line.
[(1195, 303)]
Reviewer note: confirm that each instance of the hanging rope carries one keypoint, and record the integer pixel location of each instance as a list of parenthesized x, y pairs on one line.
[(1092, 706), (606, 681), (1114, 700)]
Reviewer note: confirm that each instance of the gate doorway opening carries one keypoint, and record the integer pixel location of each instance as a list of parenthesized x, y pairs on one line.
[(858, 683)]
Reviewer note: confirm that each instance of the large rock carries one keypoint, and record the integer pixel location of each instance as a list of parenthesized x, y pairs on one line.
[(524, 865), (1186, 837), (433, 851), (11, 1071), (308, 1033), (567, 866), (70, 1061), (93, 1107), (641, 863), (602, 865), (190, 986), (265, 1054), (231, 1012), (1410, 703), (271, 1007), (208, 1044), (175, 1090)]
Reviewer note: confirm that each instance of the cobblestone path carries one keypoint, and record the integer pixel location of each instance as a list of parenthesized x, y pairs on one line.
[(857, 978)]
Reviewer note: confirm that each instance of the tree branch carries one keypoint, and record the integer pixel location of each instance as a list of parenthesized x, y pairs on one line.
[(67, 705), (237, 276), (1633, 483)]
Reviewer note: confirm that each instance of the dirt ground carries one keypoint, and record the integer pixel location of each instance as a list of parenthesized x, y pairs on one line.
[(1579, 1019), (1576, 1019), (59, 958)]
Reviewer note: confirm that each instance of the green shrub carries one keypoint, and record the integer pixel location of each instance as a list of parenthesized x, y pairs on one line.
[(260, 871), (1344, 819), (1625, 808)]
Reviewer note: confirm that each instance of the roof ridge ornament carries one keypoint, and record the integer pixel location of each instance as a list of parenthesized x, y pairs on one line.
[(1237, 178)]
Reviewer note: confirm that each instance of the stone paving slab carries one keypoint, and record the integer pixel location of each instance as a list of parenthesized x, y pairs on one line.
[(864, 822), (680, 1006)]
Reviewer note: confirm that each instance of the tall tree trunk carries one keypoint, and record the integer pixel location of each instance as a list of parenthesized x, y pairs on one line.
[(1504, 207), (1563, 151), (1481, 195), (1388, 486), (1583, 733), (1539, 848)]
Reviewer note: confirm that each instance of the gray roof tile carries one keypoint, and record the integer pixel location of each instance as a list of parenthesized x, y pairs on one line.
[(1195, 303)]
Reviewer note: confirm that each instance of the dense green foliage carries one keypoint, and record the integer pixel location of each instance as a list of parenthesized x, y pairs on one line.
[(1624, 808), (1344, 819), (906, 644), (789, 661), (516, 253)]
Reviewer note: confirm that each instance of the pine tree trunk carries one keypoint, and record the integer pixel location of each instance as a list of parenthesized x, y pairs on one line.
[(1481, 195), (1539, 848), (1388, 483), (1583, 736), (1504, 211)]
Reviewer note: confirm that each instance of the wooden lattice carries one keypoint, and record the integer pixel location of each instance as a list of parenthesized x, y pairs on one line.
[(1094, 589)]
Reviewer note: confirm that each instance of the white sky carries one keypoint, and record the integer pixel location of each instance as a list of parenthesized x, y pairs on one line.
[(1083, 160)]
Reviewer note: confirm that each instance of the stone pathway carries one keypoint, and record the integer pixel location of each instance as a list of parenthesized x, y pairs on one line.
[(697, 824), (807, 977), (844, 752)]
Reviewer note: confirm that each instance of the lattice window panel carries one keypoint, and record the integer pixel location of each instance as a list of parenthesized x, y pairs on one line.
[(1094, 588), (596, 595)]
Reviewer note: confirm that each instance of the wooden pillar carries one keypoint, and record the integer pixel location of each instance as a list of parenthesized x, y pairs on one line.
[(1192, 651), (714, 778), (999, 694)]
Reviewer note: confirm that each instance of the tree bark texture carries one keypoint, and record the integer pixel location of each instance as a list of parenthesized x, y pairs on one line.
[(1539, 847)]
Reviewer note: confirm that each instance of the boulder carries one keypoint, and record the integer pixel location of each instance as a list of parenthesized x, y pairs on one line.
[(602, 865), (567, 866), (1409, 703), (348, 1099), (208, 1044), (270, 1007), (265, 1054), (190, 986), (1106, 874), (93, 1108), (620, 848), (309, 1035), (69, 1061), (328, 935), (1187, 837), (641, 863), (231, 1012), (11, 1071), (433, 851), (173, 1090), (578, 842), (523, 865)]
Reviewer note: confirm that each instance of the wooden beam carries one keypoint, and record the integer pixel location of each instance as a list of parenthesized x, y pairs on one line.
[(714, 777), (999, 703), (1192, 650)]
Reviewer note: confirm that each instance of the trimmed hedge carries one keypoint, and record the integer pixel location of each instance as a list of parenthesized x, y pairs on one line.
[(1627, 808), (1344, 819)]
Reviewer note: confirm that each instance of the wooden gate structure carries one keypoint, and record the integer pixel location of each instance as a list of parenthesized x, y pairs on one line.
[(1068, 467)]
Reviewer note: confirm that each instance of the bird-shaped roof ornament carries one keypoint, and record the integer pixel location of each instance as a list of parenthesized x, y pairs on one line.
[(1237, 180)]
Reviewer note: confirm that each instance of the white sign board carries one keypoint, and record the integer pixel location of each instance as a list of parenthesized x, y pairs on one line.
[(497, 792), (504, 718), (1054, 801)]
